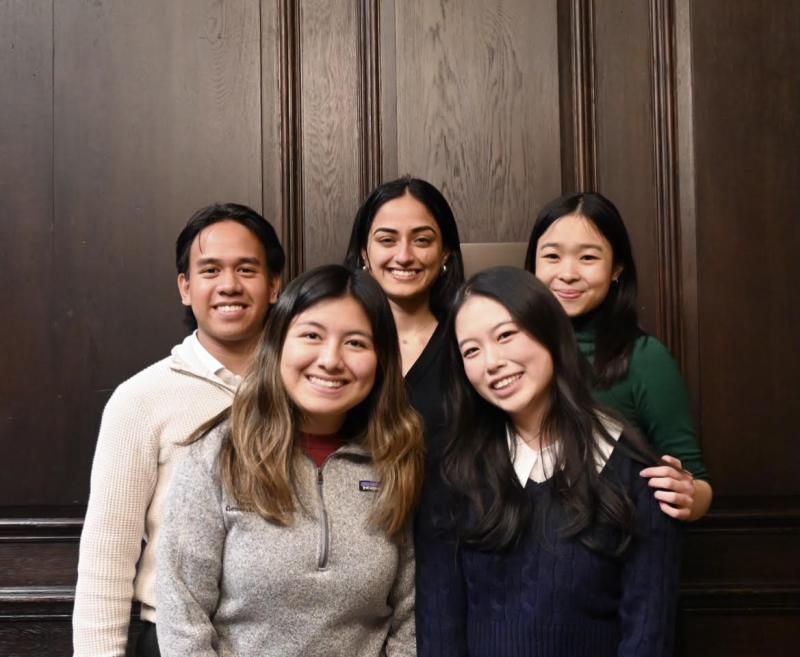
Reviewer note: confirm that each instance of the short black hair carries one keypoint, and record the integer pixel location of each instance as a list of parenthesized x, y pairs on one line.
[(241, 214)]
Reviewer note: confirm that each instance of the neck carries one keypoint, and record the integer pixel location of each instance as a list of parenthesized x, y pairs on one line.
[(325, 425), (235, 357), (528, 426), (412, 315)]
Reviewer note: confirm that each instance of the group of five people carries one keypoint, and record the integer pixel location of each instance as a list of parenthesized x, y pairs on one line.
[(396, 462)]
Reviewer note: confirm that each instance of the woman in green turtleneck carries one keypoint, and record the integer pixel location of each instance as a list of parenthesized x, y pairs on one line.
[(580, 249)]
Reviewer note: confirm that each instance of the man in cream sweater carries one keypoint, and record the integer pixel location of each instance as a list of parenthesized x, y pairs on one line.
[(229, 263)]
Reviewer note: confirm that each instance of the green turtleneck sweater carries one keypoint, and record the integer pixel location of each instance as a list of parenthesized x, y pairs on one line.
[(653, 398)]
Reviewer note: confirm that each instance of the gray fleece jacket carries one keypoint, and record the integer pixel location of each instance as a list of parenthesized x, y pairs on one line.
[(230, 583)]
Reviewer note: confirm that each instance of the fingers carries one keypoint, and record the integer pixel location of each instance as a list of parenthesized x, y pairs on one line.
[(674, 512), (674, 462), (679, 485), (678, 500)]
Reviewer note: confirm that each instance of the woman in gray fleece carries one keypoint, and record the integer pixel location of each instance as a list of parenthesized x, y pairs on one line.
[(287, 527)]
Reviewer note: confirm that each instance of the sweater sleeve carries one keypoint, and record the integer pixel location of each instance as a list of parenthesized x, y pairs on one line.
[(123, 478), (662, 405), (650, 579), (189, 560), (402, 634), (441, 608)]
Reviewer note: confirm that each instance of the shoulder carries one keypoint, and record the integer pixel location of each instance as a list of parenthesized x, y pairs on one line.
[(205, 451), (649, 350)]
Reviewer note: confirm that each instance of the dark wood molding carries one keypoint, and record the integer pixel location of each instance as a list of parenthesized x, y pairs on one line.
[(735, 598), (39, 602), (370, 101), (576, 61), (292, 220), (662, 34), (40, 530)]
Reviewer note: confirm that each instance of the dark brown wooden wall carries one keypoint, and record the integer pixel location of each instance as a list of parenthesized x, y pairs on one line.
[(118, 119)]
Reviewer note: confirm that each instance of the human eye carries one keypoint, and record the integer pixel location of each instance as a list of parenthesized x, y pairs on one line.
[(311, 336), (468, 352), (209, 270), (550, 256), (423, 241), (385, 240), (357, 343), (589, 257), (506, 334), (248, 270)]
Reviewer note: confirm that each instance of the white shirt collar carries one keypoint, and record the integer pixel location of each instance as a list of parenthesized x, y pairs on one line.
[(211, 364), (538, 465)]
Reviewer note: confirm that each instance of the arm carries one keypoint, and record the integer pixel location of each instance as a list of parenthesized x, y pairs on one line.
[(123, 478), (402, 634), (189, 557), (650, 580), (664, 414), (441, 607)]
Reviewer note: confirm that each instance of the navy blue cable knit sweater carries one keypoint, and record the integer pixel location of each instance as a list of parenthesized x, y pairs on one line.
[(554, 597)]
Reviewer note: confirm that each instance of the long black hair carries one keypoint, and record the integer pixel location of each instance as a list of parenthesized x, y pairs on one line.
[(616, 318), (492, 511), (447, 283)]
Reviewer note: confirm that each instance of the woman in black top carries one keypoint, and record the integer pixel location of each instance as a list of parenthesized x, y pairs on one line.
[(405, 235)]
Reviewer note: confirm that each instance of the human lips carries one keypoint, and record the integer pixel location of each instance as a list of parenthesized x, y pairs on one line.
[(404, 273), (506, 385), (567, 293), (230, 310), (325, 383)]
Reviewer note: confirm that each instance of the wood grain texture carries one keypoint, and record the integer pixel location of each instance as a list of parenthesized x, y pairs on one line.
[(331, 151), (26, 233), (746, 63), (477, 109), (156, 113), (625, 131)]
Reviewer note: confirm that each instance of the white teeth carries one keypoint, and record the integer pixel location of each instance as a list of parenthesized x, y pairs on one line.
[(231, 308), (504, 383), (403, 273), (325, 383)]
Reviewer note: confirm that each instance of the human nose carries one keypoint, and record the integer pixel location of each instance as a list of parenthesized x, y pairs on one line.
[(229, 282), (405, 253), (568, 271), (330, 357), (493, 359)]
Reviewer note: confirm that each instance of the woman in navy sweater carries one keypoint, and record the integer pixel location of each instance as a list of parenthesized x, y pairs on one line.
[(544, 540)]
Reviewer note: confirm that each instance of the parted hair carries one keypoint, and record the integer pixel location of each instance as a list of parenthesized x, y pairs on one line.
[(489, 507), (617, 320), (445, 286), (260, 450)]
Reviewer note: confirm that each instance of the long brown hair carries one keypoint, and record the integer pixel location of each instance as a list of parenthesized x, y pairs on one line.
[(259, 453)]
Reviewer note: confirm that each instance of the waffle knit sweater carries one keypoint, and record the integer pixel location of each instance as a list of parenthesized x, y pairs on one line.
[(553, 598), (232, 584), (136, 448)]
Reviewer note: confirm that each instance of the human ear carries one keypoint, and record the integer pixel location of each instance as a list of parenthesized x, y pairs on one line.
[(183, 289), (275, 284)]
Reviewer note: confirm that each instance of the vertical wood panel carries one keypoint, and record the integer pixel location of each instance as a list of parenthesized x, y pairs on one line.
[(157, 111), (477, 109), (746, 64), (331, 151), (26, 239), (625, 133)]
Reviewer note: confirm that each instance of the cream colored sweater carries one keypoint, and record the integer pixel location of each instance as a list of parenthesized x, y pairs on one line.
[(134, 459)]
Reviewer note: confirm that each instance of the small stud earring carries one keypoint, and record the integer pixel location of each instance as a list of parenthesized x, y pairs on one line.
[(444, 269)]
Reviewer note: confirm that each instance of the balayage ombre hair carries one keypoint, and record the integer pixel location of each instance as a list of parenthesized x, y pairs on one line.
[(489, 508), (259, 454)]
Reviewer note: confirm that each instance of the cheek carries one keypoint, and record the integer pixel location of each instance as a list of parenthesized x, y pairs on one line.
[(544, 272)]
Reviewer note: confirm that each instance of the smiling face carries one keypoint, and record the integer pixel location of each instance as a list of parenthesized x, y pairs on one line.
[(577, 263), (228, 287), (404, 251), (328, 362), (505, 365)]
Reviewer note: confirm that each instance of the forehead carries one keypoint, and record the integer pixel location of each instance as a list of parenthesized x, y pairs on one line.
[(572, 230), (480, 315), (227, 240), (340, 315), (403, 213)]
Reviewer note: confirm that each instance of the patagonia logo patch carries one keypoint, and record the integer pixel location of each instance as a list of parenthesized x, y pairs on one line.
[(369, 486)]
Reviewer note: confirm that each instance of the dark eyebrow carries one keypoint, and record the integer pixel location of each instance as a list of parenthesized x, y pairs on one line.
[(581, 247), (394, 231), (310, 322), (493, 329), (215, 261)]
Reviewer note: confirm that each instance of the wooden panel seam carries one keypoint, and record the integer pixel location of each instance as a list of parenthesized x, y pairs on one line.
[(583, 94), (662, 34), (370, 101), (292, 219)]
